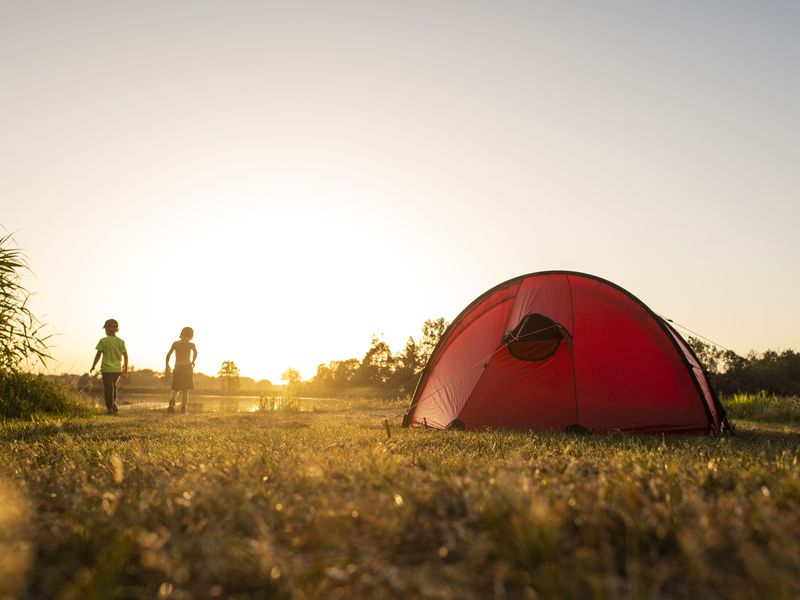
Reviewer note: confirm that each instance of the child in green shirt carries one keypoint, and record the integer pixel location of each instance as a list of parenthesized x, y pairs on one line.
[(113, 351)]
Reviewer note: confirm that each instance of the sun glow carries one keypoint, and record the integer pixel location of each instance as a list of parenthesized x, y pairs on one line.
[(270, 273), (322, 175)]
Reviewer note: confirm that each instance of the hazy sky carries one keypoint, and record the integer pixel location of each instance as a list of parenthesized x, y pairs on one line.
[(290, 177)]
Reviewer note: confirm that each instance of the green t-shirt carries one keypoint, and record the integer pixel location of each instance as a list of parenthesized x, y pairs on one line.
[(112, 348)]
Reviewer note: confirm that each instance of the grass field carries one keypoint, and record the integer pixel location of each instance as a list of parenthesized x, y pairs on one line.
[(323, 503)]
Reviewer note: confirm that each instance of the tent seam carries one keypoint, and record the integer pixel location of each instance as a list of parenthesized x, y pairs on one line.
[(572, 351)]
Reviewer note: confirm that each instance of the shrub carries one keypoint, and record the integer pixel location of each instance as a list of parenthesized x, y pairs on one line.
[(764, 408), (23, 394)]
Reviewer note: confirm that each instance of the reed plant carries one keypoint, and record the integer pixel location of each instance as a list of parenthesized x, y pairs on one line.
[(22, 337), (287, 401), (23, 345)]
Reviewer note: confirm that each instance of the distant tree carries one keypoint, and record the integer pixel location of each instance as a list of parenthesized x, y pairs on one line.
[(206, 382), (335, 377), (409, 360), (229, 376), (322, 382), (710, 356), (377, 365), (772, 372), (247, 383), (432, 331), (407, 368), (291, 376), (380, 370), (344, 371), (144, 378), (293, 381), (715, 360)]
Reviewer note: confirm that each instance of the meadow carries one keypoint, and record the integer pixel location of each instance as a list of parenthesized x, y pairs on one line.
[(324, 501)]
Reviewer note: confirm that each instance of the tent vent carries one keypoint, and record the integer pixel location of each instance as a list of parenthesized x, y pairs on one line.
[(535, 338)]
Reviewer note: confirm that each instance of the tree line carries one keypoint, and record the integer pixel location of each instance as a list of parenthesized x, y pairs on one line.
[(772, 372), (380, 372)]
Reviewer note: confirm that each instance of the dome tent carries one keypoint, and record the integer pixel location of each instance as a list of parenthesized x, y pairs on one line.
[(559, 349)]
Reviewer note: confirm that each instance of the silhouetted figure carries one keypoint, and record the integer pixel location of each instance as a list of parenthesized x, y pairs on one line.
[(113, 351), (183, 375)]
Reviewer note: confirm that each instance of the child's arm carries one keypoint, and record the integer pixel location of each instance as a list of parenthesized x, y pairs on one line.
[(169, 354), (96, 358), (125, 362), (194, 353)]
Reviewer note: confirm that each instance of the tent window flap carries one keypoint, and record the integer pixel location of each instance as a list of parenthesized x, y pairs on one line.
[(535, 338)]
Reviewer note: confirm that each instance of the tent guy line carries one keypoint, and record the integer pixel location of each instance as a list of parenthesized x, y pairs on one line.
[(702, 337)]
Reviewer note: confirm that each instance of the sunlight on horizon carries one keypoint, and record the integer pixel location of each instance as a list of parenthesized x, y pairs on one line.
[(321, 174), (266, 274)]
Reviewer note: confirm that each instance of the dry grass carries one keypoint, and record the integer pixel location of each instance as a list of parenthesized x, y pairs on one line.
[(322, 504)]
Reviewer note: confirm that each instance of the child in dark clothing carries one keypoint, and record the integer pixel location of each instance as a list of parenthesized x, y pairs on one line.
[(183, 375)]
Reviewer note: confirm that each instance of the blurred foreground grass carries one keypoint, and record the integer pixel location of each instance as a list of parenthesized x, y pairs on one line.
[(323, 504)]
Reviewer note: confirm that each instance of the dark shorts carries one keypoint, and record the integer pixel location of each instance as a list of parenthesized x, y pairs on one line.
[(182, 378)]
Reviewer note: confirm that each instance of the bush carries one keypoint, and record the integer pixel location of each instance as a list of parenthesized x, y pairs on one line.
[(764, 408), (23, 394)]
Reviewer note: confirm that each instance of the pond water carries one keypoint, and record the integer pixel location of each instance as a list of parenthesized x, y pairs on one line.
[(197, 403), (213, 403)]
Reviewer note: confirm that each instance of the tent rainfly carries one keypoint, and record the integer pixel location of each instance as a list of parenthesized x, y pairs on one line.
[(563, 350)]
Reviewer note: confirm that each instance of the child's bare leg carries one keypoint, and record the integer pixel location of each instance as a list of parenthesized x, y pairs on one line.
[(184, 400), (172, 397)]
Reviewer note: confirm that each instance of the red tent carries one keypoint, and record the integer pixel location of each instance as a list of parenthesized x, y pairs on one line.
[(558, 350)]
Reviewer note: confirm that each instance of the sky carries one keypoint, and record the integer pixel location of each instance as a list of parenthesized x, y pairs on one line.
[(289, 178)]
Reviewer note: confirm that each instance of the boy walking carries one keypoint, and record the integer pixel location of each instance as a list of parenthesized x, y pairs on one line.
[(183, 375), (113, 351)]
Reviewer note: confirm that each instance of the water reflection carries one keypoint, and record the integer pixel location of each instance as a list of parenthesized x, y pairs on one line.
[(198, 403)]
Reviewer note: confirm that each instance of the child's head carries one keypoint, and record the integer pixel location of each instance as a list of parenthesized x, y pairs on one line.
[(111, 326), (187, 333)]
